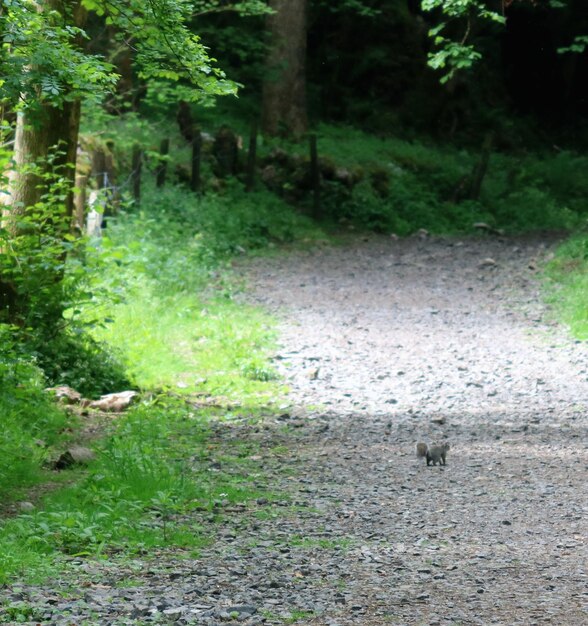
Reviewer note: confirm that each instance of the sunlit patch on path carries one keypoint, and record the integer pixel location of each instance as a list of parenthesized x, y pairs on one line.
[(420, 327)]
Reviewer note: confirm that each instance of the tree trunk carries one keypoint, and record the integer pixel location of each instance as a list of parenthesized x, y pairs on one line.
[(284, 87), (52, 128), (45, 141), (39, 130)]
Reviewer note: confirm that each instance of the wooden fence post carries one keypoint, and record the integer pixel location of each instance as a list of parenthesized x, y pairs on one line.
[(251, 158), (315, 176), (80, 202), (161, 171), (136, 173), (99, 167), (195, 181)]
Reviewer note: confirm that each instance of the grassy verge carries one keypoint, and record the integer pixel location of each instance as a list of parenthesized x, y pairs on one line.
[(163, 300), (567, 276), (155, 479), (185, 343), (176, 322)]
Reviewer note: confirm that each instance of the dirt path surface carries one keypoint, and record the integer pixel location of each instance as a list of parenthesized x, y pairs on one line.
[(418, 340), (385, 343), (421, 327)]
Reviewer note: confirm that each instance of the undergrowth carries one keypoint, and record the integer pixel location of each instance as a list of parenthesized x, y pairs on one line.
[(155, 310), (177, 323), (403, 186), (31, 423), (161, 299), (155, 479), (399, 185)]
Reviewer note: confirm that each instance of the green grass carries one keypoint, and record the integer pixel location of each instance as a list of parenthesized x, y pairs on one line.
[(567, 276), (183, 342), (149, 488), (177, 322), (162, 303), (19, 612)]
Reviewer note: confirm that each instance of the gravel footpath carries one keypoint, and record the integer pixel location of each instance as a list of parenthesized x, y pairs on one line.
[(385, 343)]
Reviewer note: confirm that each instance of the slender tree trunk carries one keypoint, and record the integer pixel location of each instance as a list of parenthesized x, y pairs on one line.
[(51, 129), (40, 129), (284, 87), (43, 129)]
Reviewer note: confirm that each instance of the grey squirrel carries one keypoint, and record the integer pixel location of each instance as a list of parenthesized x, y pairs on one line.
[(434, 453)]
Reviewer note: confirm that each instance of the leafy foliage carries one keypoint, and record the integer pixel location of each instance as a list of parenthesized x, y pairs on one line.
[(39, 241), (453, 55), (31, 423), (165, 49), (578, 46), (33, 270), (42, 60), (364, 8)]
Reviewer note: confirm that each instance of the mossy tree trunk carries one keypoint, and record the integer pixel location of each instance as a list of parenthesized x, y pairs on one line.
[(45, 142), (40, 130), (50, 129)]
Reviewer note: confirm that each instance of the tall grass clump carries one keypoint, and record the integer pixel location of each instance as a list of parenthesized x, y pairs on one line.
[(31, 423), (567, 276)]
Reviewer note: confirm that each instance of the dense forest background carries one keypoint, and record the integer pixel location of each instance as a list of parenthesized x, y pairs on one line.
[(367, 66), (410, 103)]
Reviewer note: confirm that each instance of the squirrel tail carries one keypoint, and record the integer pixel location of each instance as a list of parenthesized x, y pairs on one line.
[(421, 449)]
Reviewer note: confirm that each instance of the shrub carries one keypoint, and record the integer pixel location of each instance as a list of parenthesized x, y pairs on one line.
[(531, 208), (31, 422)]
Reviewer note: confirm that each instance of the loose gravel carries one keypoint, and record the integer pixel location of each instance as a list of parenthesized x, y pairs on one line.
[(385, 343)]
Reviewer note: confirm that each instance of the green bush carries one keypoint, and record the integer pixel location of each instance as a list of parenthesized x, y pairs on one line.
[(531, 208), (74, 358), (31, 423), (43, 270)]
